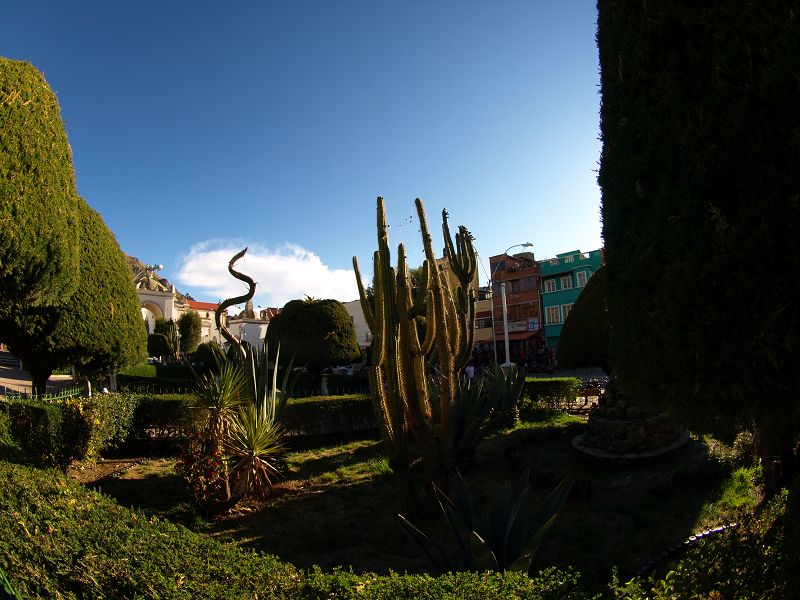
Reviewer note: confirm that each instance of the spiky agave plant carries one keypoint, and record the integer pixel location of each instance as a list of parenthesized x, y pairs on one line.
[(254, 449), (500, 541)]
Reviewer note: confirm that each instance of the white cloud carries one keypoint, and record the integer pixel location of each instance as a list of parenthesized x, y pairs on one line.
[(287, 273)]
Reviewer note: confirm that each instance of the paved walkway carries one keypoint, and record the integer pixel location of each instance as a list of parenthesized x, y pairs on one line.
[(18, 380)]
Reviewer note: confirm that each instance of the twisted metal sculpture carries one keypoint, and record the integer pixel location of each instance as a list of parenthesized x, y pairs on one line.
[(232, 301)]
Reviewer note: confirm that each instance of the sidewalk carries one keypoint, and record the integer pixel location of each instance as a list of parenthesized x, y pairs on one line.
[(15, 379)]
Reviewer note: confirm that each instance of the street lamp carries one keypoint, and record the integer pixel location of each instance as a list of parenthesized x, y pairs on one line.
[(505, 311)]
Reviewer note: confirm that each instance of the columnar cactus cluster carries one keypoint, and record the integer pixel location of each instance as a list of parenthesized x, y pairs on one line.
[(403, 361)]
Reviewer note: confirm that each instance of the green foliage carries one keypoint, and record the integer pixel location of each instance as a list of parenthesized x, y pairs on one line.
[(757, 560), (158, 345), (55, 434), (218, 396), (207, 355), (60, 539), (164, 416), (498, 541), (143, 370), (99, 329), (254, 449), (189, 326), (584, 337), (550, 392), (39, 255), (7, 591), (319, 333), (550, 584), (59, 432), (700, 213), (504, 389)]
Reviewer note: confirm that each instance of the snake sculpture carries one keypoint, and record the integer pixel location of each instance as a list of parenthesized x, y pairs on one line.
[(232, 301)]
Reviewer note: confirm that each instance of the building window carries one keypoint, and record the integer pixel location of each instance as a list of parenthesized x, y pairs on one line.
[(549, 285), (570, 258), (554, 262), (580, 276), (565, 310), (553, 315), (483, 323), (521, 312), (566, 282), (525, 284)]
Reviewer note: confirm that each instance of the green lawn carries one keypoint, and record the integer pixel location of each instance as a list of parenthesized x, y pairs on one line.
[(338, 505)]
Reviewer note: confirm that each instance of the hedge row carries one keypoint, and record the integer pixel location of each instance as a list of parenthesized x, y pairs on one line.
[(550, 392), (77, 429), (58, 432), (60, 540)]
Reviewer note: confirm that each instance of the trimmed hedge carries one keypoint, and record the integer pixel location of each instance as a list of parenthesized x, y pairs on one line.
[(325, 415), (58, 539), (550, 392), (163, 416), (58, 432), (54, 433)]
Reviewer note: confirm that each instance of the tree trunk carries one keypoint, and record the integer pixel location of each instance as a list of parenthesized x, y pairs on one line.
[(39, 377)]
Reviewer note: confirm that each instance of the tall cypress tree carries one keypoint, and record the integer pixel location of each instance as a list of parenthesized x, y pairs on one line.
[(39, 249), (99, 329), (700, 178)]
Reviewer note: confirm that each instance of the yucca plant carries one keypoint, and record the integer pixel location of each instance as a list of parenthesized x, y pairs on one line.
[(498, 541), (219, 395), (262, 382), (254, 449)]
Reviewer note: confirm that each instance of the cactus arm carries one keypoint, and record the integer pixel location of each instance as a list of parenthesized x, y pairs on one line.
[(362, 295)]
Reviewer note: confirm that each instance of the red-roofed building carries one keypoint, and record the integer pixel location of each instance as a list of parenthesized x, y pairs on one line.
[(208, 328)]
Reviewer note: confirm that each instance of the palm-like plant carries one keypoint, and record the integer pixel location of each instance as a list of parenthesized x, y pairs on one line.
[(253, 449), (219, 395)]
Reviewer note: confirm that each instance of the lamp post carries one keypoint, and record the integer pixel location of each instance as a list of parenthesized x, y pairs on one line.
[(505, 311)]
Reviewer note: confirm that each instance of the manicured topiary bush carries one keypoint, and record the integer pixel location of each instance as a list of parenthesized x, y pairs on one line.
[(39, 251), (319, 333), (584, 337), (700, 188)]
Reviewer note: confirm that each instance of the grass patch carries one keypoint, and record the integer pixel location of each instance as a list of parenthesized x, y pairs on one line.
[(338, 504)]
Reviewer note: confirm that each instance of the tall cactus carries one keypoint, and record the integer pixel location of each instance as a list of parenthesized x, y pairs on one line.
[(402, 362)]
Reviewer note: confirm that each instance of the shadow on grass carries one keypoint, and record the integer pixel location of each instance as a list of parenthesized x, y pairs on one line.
[(340, 503)]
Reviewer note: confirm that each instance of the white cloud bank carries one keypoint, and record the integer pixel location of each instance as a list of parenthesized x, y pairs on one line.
[(287, 273)]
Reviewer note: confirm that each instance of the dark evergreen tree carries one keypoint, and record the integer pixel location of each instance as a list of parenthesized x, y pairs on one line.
[(189, 326), (319, 333), (700, 178), (584, 337)]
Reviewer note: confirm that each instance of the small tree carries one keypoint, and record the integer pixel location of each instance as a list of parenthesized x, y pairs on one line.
[(319, 333), (189, 326)]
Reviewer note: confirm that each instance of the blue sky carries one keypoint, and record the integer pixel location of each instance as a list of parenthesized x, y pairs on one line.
[(201, 127)]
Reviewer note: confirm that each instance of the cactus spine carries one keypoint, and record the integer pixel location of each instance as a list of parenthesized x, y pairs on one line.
[(402, 362)]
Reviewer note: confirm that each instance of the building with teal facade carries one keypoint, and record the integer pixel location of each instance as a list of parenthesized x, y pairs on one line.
[(562, 281)]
